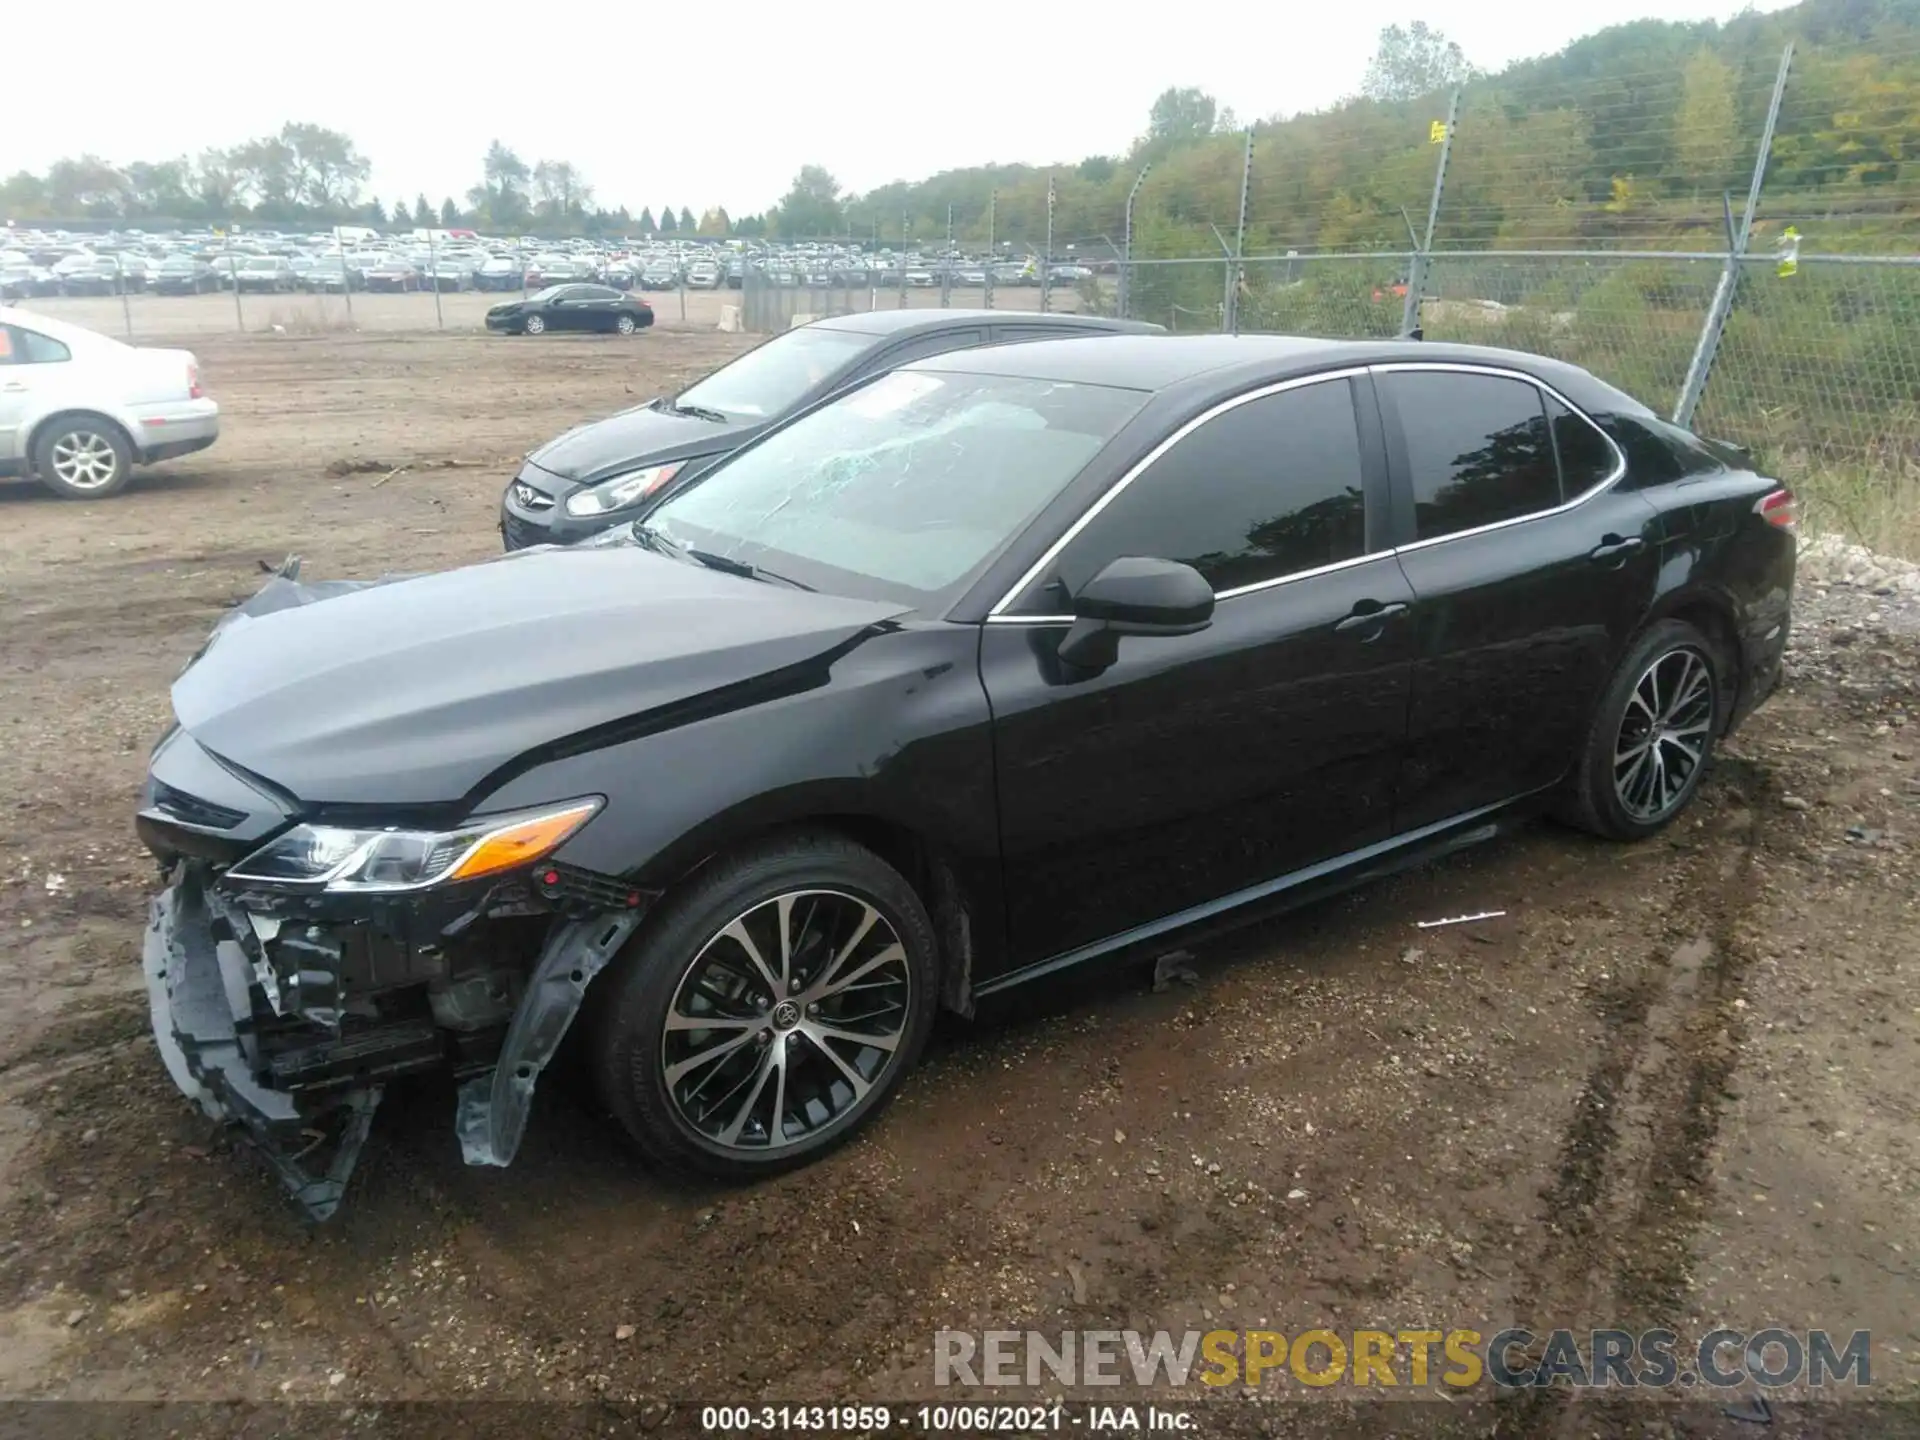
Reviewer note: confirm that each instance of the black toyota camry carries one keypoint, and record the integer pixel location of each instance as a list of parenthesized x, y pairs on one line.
[(1014, 659), (597, 475)]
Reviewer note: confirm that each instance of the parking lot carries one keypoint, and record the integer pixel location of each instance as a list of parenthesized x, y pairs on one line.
[(1671, 1085), (197, 315)]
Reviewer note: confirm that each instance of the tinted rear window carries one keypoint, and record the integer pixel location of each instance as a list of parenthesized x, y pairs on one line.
[(1478, 449), (1586, 459)]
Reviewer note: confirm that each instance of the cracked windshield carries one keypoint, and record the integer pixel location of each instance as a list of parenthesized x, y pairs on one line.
[(902, 490)]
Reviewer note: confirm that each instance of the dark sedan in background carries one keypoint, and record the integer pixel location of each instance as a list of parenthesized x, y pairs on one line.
[(101, 275), (184, 275), (1011, 660), (331, 275), (596, 475), (571, 307)]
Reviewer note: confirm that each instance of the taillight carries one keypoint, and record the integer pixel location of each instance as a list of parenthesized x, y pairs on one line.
[(194, 392), (1779, 509)]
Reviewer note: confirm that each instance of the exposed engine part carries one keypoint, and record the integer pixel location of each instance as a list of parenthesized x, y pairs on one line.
[(474, 1002)]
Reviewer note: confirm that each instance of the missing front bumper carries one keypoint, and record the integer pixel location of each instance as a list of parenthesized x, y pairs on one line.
[(213, 1017), (198, 988)]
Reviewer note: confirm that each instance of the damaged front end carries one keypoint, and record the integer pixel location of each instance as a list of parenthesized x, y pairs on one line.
[(286, 1013), (293, 968)]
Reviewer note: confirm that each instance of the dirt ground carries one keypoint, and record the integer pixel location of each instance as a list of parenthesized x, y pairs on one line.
[(1674, 1085), (143, 317)]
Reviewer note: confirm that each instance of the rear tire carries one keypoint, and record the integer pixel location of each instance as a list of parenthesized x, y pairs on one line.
[(1652, 737), (760, 1090), (626, 325), (83, 457)]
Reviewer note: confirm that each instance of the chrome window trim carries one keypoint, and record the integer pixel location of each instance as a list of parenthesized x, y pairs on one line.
[(1234, 594), (1501, 373), (1112, 492), (995, 616)]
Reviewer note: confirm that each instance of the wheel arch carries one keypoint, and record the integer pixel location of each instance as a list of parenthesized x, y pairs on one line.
[(73, 412), (938, 875), (1714, 614)]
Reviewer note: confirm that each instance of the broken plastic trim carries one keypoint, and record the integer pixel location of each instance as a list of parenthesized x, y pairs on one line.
[(197, 990), (490, 1115)]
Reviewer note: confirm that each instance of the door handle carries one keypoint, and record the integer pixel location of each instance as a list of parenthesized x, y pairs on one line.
[(1373, 615), (1615, 547), (15, 387)]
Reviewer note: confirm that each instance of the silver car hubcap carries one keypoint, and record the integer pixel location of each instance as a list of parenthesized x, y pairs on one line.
[(536, 325), (786, 1020), (1663, 735), (85, 460), (626, 324)]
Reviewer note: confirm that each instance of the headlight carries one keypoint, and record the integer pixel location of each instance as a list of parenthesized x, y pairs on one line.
[(333, 858), (622, 490)]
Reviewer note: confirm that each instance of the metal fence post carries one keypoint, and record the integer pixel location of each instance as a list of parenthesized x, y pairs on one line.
[(993, 199), (120, 284), (905, 222), (346, 276), (1238, 276), (433, 279), (233, 278), (946, 265), (1714, 326), (1125, 299), (1226, 289), (1047, 260), (1417, 262)]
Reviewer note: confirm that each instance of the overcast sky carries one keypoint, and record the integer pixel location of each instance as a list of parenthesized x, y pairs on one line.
[(705, 104)]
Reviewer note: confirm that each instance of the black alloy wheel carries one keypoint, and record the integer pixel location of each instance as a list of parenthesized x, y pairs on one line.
[(1652, 739), (767, 1011)]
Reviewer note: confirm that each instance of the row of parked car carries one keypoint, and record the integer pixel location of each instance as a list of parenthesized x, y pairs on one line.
[(342, 262)]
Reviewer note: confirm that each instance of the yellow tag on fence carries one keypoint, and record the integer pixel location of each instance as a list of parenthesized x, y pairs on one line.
[(1789, 254), (1437, 132)]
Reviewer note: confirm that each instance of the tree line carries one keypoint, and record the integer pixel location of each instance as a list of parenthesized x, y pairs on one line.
[(310, 175), (1634, 132)]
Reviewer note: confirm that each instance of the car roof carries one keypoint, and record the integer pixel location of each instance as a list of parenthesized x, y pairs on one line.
[(1159, 362), (928, 321)]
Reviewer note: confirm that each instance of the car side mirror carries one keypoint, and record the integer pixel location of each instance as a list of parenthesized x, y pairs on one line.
[(1134, 595)]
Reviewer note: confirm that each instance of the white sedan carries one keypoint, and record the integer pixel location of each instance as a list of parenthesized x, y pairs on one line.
[(79, 410)]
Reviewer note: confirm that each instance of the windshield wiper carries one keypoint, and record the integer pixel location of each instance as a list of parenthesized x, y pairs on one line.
[(730, 566), (662, 543), (698, 412)]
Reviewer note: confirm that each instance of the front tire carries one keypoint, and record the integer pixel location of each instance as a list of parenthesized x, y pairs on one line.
[(1652, 737), (533, 325), (83, 457), (769, 1010)]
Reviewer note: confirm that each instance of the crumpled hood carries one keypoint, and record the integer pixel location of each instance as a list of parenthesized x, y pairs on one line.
[(605, 448), (411, 691)]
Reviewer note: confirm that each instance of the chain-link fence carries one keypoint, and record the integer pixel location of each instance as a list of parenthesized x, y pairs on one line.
[(1744, 261), (1728, 232)]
